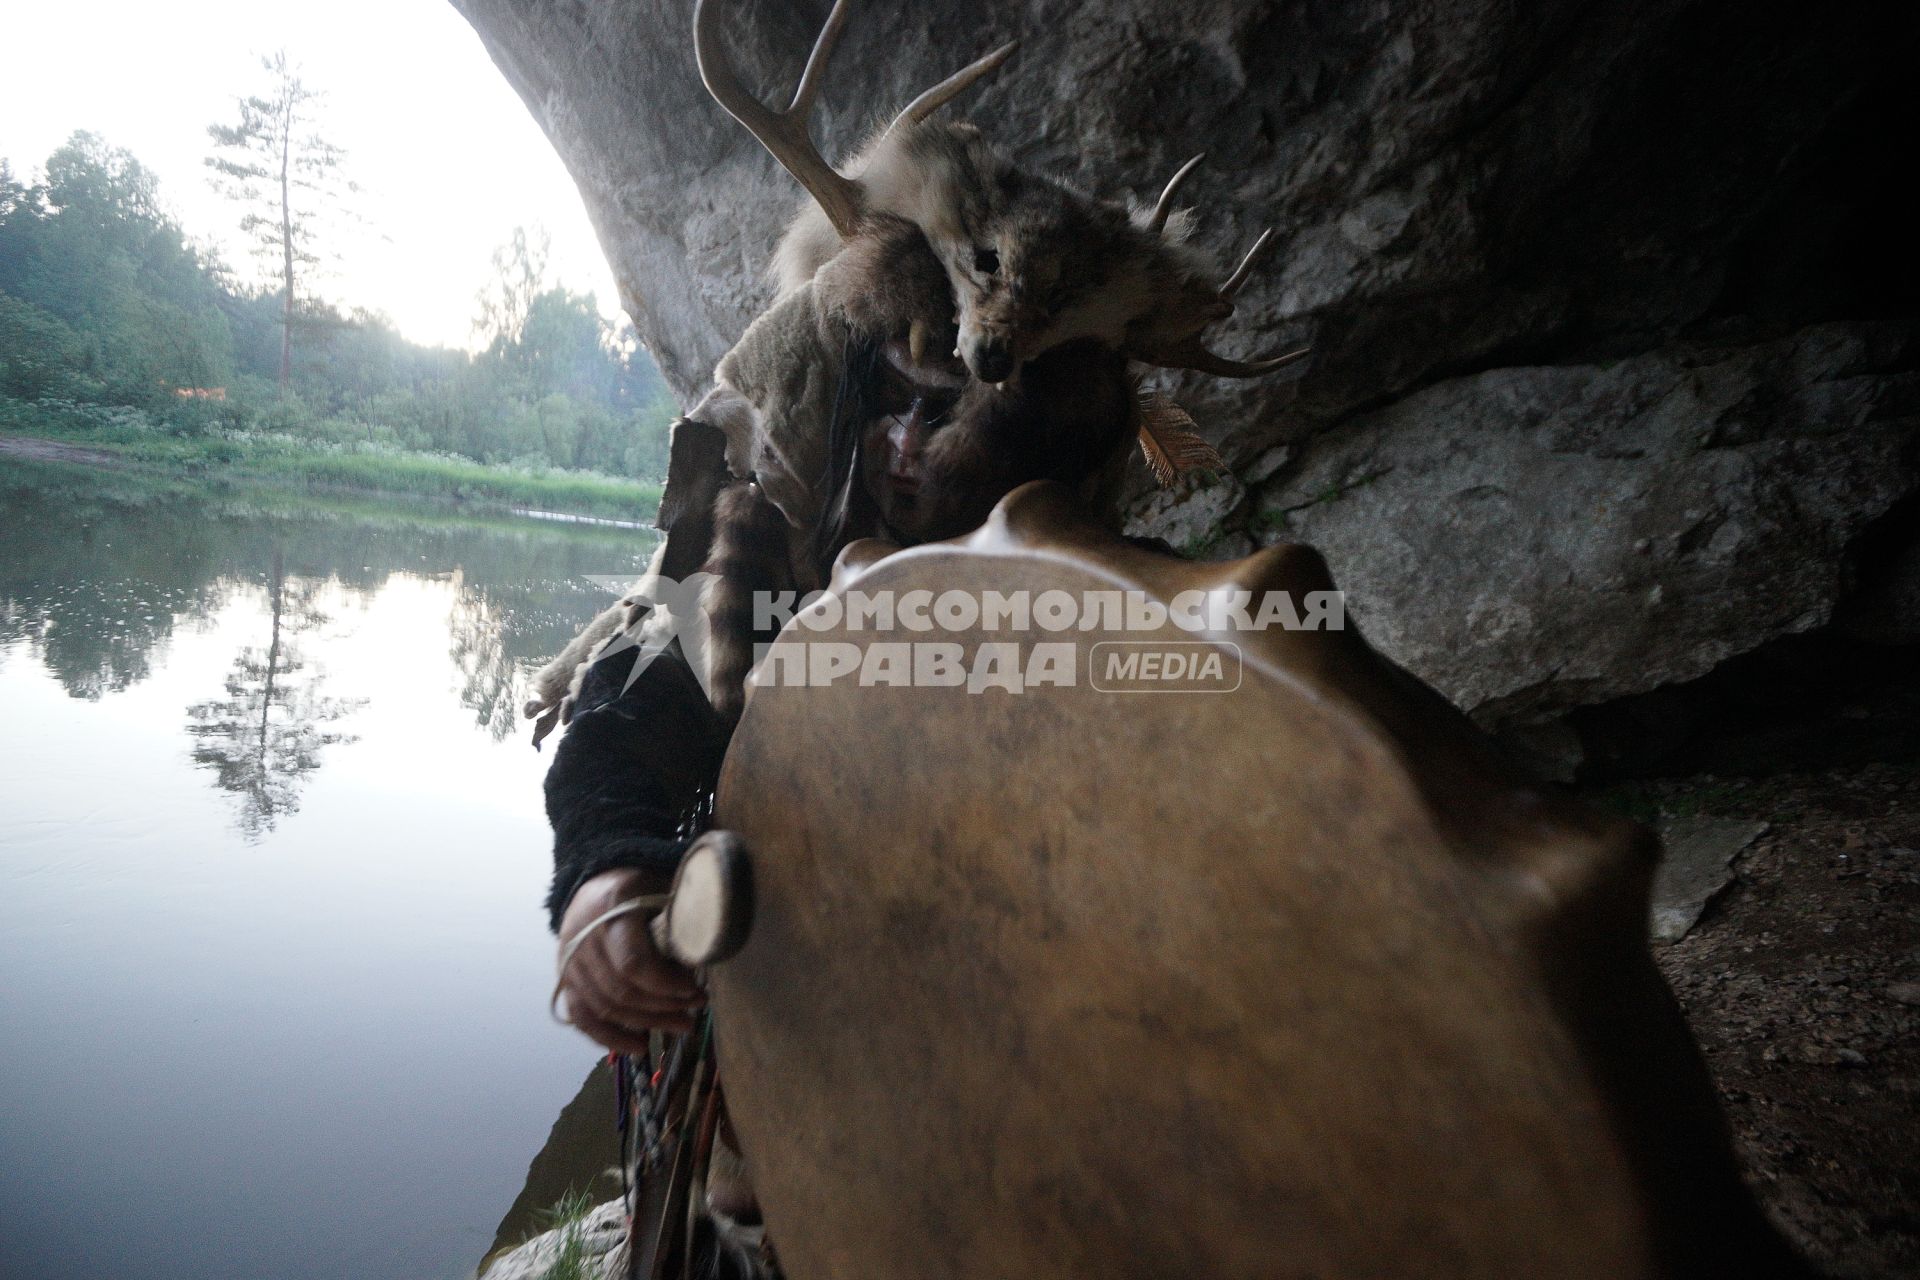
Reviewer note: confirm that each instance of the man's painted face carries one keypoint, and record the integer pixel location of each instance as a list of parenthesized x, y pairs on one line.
[(914, 402), (943, 448)]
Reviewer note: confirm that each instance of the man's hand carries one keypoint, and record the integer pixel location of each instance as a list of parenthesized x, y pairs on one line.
[(618, 984)]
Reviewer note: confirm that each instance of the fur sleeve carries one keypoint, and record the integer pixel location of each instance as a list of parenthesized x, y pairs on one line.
[(630, 766)]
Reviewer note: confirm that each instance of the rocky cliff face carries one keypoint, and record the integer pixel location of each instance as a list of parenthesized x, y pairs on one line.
[(1611, 304)]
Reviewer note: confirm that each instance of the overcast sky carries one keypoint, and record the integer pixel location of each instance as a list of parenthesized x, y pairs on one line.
[(449, 158)]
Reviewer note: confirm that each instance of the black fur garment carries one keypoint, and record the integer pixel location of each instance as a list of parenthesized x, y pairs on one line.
[(634, 760)]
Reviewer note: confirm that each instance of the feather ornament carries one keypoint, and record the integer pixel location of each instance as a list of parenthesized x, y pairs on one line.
[(1171, 442)]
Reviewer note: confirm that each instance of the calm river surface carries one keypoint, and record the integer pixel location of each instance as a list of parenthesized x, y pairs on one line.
[(271, 861)]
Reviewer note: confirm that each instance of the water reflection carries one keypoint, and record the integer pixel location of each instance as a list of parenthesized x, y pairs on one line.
[(271, 865), (265, 736), (94, 599), (102, 570), (490, 636)]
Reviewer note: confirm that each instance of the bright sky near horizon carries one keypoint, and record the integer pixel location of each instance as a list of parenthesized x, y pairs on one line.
[(448, 158)]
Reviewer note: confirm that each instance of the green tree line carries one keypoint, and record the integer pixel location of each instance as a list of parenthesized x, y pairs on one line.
[(106, 301)]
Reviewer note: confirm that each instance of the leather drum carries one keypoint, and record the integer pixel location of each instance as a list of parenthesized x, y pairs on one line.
[(1125, 978)]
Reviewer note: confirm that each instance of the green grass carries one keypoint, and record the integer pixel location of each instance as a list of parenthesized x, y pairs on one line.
[(568, 1216), (1276, 518), (287, 460), (1271, 522), (573, 492)]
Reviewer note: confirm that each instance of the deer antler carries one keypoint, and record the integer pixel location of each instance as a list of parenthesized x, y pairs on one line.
[(952, 87), (1245, 269), (1189, 354), (1186, 351), (1158, 222), (784, 133)]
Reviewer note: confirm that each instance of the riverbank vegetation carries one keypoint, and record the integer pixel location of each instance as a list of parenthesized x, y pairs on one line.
[(120, 332), (133, 437)]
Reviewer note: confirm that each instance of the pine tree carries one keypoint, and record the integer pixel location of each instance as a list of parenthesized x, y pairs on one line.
[(286, 177)]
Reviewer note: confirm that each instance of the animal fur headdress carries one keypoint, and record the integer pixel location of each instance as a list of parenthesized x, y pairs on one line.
[(938, 240)]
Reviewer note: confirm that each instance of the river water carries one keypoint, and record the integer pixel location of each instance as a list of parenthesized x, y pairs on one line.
[(271, 863)]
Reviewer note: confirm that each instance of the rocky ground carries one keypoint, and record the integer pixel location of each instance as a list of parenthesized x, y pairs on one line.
[(1802, 982), (1802, 975)]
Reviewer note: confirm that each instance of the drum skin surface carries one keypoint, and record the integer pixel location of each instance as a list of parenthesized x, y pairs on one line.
[(1293, 980)]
